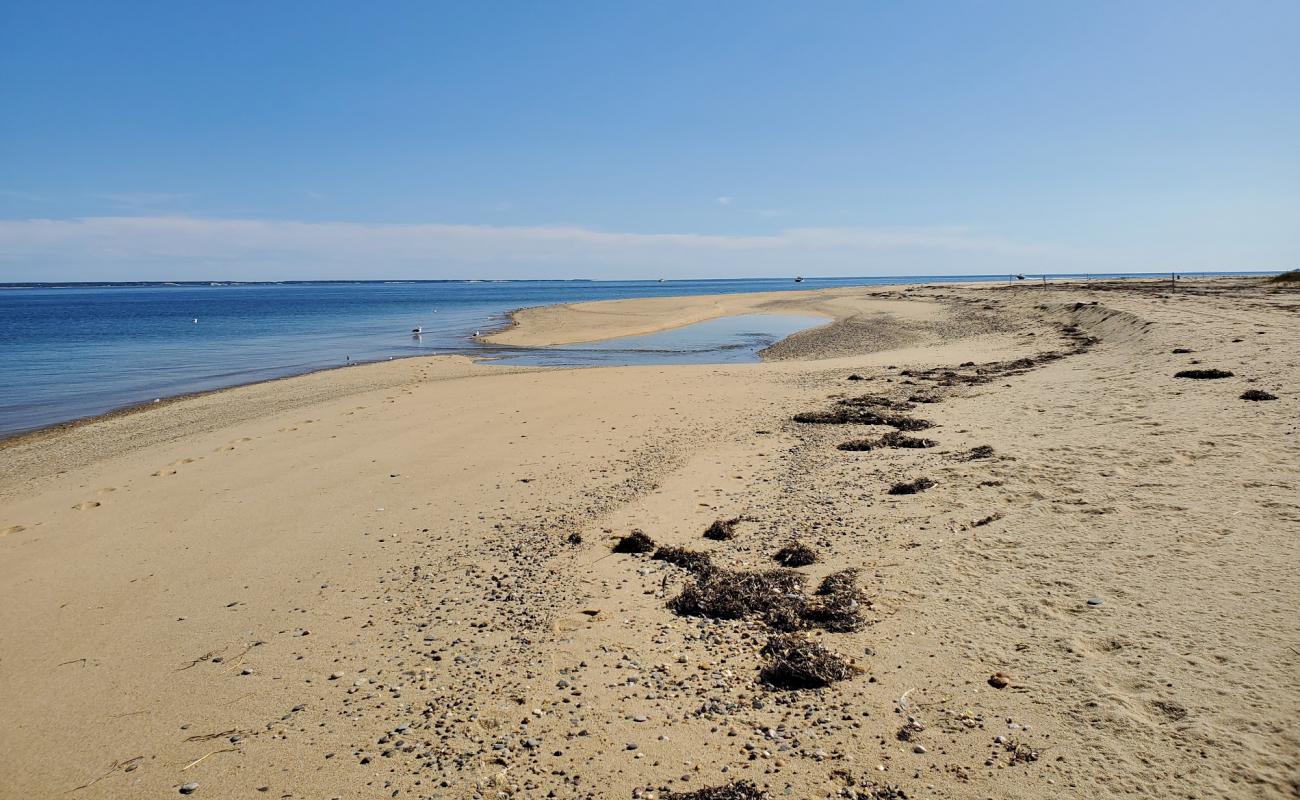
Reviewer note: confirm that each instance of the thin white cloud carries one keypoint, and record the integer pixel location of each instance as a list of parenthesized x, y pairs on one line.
[(144, 202), (725, 200), (170, 247)]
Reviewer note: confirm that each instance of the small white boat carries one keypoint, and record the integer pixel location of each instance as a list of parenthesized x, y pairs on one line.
[(798, 279)]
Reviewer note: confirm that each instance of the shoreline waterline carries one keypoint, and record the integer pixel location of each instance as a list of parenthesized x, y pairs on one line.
[(53, 378)]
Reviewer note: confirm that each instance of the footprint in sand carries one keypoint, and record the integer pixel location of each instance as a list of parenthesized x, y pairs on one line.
[(12, 529), (87, 504)]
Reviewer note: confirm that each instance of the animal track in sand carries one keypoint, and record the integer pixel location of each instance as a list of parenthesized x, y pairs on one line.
[(87, 505)]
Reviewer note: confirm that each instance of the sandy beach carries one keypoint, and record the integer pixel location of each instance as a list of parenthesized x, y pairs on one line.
[(1075, 574)]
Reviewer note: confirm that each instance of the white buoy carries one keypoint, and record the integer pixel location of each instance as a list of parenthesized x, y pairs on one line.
[(196, 320)]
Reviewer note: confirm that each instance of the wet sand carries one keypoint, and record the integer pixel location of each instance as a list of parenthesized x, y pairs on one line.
[(397, 579)]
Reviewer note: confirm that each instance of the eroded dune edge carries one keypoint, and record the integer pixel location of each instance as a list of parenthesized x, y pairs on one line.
[(960, 542)]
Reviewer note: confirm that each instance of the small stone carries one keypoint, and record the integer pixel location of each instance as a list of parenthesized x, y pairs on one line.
[(1094, 601), (562, 683), (189, 788), (918, 748), (639, 718), (999, 680), (632, 745), (335, 675)]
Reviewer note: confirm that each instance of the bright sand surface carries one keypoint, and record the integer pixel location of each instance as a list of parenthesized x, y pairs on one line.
[(362, 583)]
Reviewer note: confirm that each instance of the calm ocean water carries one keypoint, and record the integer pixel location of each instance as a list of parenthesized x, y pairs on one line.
[(70, 351)]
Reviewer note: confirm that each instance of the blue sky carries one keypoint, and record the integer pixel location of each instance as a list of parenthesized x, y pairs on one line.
[(616, 139)]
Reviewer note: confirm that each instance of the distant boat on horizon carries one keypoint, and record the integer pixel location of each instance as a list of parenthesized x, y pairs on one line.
[(798, 279)]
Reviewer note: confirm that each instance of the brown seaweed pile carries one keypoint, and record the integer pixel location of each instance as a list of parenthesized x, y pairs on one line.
[(722, 529), (852, 415), (875, 401), (689, 560), (635, 542), (893, 439), (978, 453), (796, 662), (741, 790), (777, 596), (1203, 374), (1257, 394), (795, 554), (911, 487), (734, 594)]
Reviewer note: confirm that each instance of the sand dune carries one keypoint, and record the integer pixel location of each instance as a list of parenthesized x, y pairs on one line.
[(397, 580)]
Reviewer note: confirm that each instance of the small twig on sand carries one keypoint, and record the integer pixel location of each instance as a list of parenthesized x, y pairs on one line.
[(213, 753), (203, 737), (238, 661), (73, 661), (128, 714), (114, 767), (199, 660)]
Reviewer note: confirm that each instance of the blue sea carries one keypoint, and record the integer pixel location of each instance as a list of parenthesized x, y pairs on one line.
[(74, 350)]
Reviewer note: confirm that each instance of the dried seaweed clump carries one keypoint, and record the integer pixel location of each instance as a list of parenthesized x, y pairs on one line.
[(796, 555), (875, 401), (722, 529), (911, 487), (893, 439), (908, 423), (851, 415), (635, 542), (1257, 394), (741, 790), (796, 662), (733, 594), (839, 605), (1203, 374), (689, 560), (846, 580), (978, 453), (837, 416)]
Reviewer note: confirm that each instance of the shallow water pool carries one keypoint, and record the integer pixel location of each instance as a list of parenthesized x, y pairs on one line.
[(726, 340)]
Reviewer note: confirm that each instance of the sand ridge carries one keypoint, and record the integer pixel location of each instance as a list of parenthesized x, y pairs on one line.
[(403, 582)]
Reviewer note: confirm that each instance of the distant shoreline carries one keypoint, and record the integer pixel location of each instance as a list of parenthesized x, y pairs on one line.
[(519, 328), (217, 282)]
